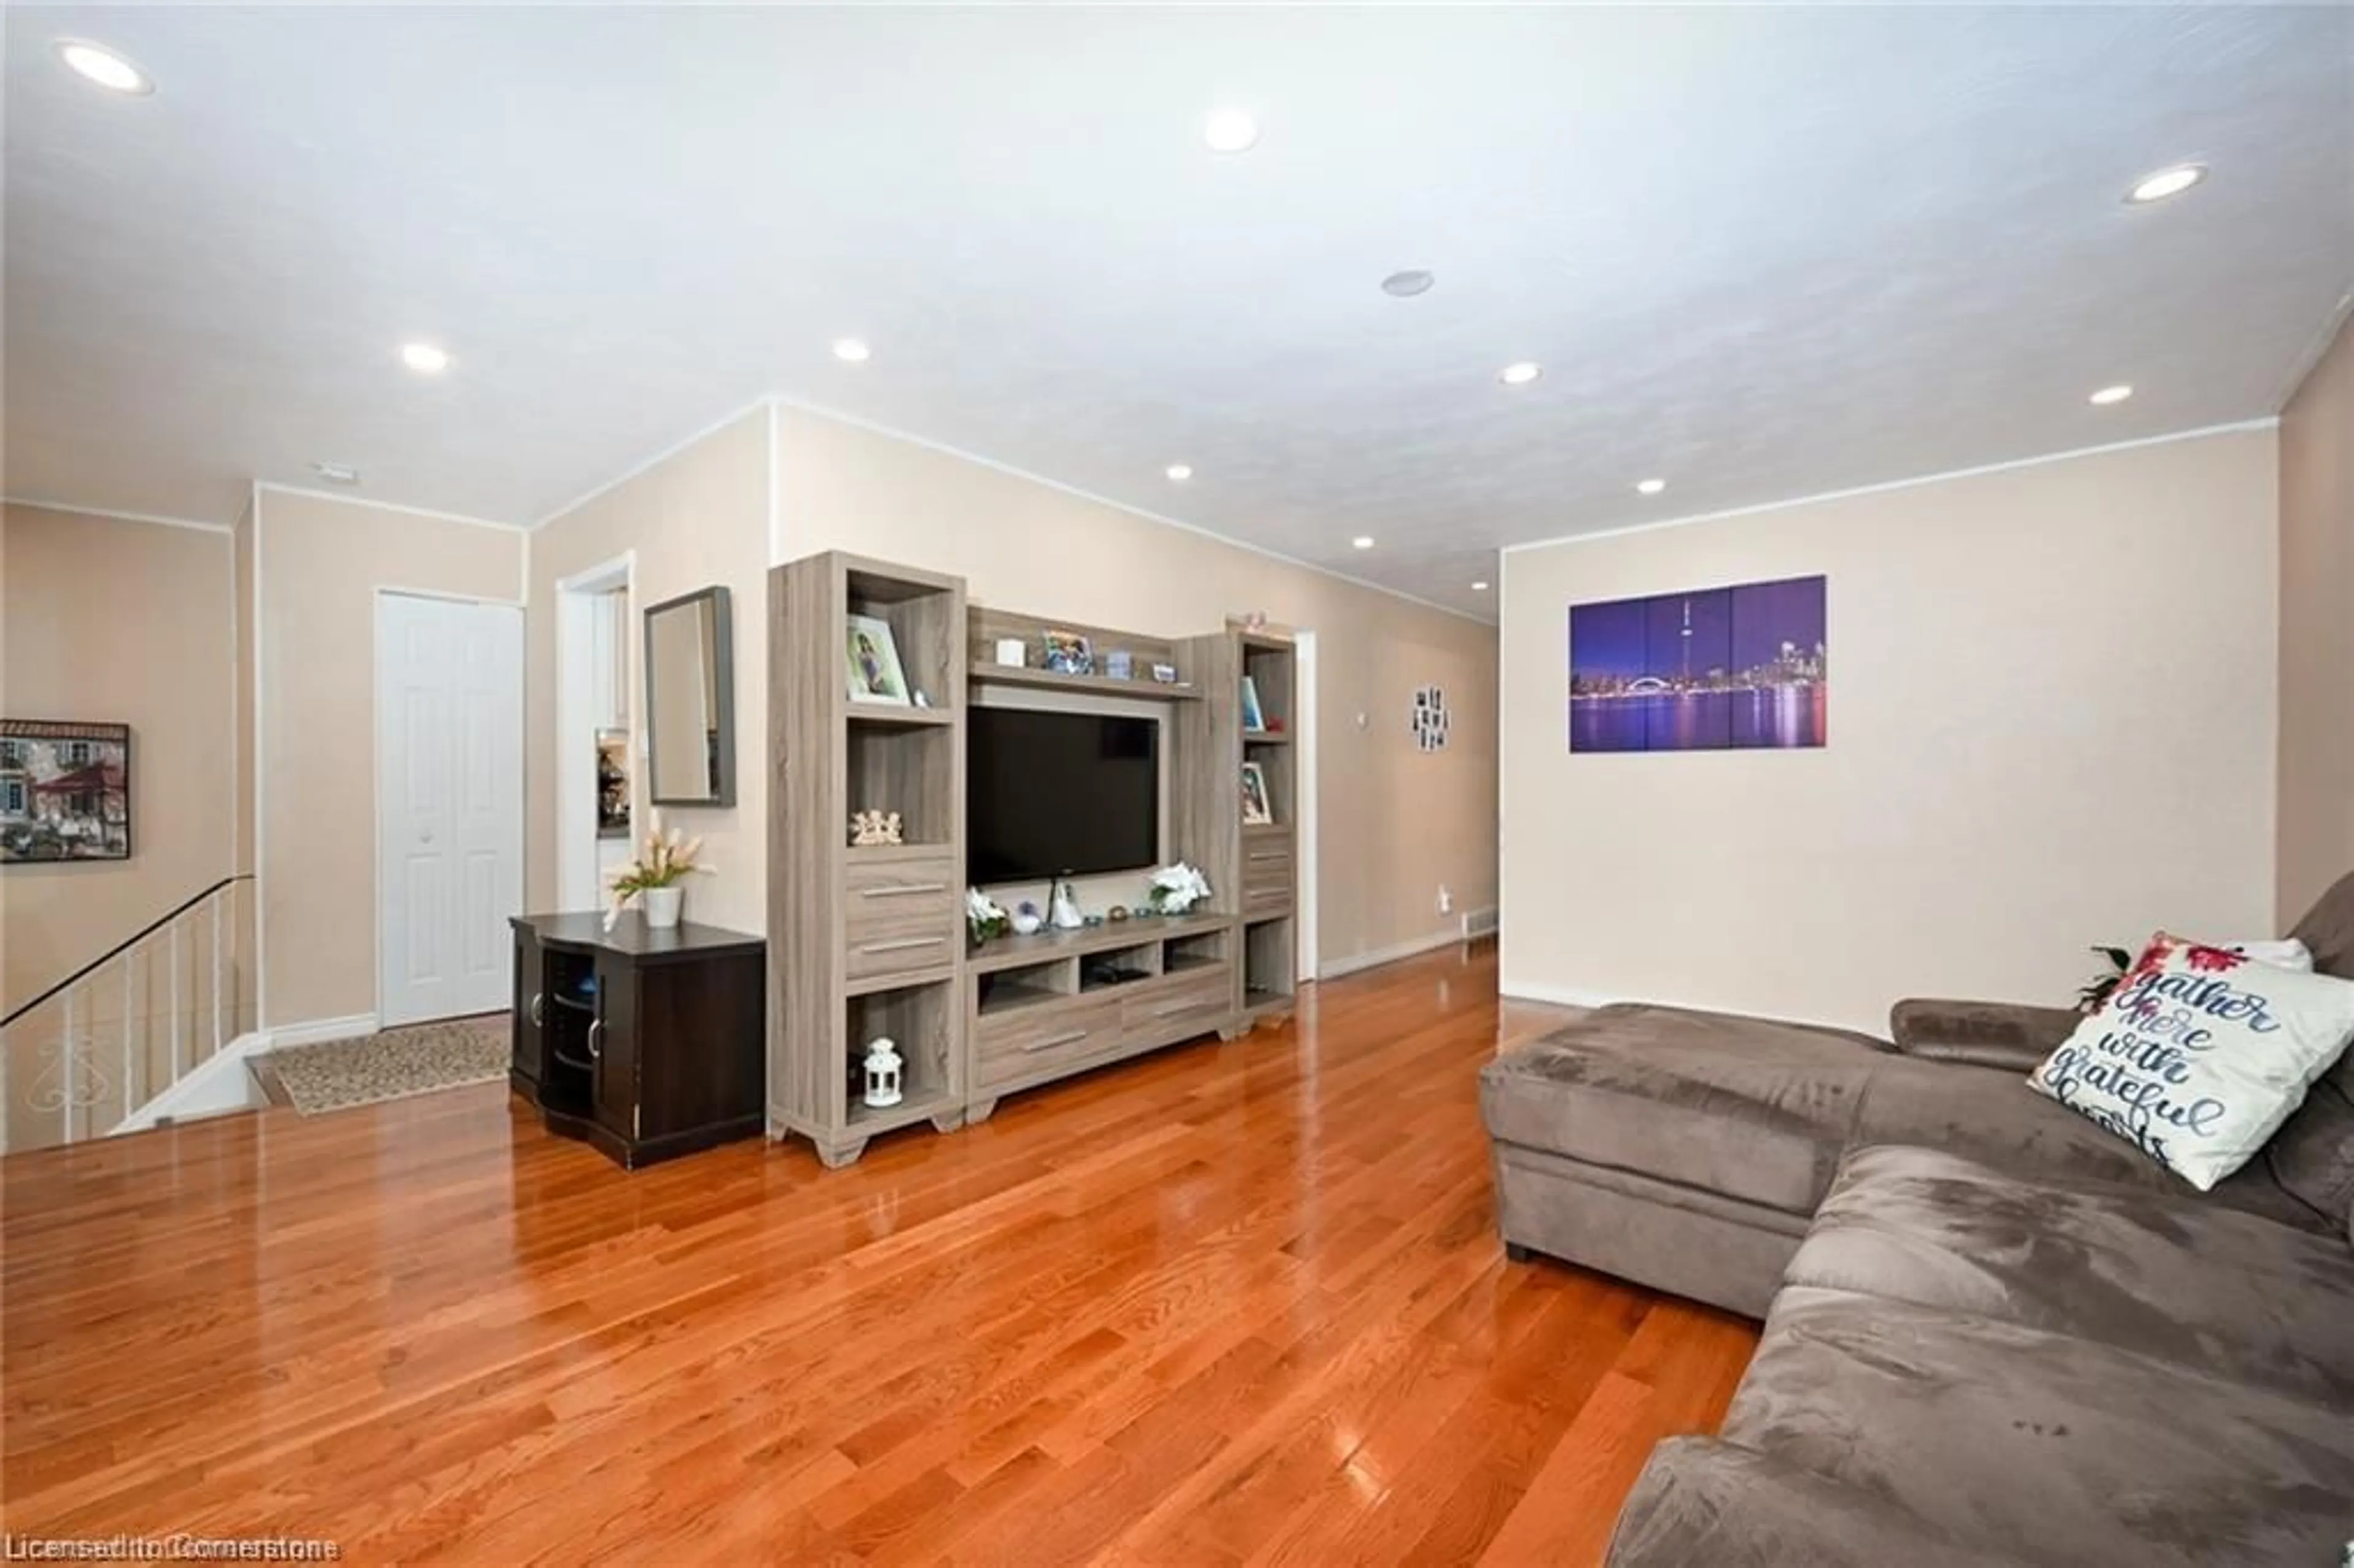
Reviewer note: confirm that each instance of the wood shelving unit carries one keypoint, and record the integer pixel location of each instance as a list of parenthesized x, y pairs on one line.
[(872, 941), (866, 941), (1253, 867)]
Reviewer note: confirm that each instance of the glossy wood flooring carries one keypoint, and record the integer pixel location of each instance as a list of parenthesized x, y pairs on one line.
[(1231, 1304)]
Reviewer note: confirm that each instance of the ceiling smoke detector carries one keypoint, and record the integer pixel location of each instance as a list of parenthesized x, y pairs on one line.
[(336, 473), (1406, 285)]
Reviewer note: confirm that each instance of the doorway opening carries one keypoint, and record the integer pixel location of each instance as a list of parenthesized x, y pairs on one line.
[(597, 744)]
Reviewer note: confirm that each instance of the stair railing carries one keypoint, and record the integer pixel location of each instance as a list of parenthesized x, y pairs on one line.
[(125, 1027)]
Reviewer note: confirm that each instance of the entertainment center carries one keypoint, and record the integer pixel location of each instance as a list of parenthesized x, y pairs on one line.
[(869, 940)]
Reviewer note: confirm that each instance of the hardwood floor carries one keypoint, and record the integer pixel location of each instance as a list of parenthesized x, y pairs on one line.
[(1231, 1304)]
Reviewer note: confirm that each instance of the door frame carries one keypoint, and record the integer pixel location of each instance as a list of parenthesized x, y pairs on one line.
[(577, 876), (1303, 751), (376, 596)]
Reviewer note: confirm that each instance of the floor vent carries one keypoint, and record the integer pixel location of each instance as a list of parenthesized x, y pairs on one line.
[(1478, 923)]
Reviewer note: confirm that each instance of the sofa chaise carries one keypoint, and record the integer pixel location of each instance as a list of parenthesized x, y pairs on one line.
[(1994, 1334)]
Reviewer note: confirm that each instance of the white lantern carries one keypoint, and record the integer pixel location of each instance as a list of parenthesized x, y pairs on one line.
[(883, 1066)]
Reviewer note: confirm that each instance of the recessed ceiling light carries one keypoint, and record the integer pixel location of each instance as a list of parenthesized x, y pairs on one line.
[(425, 359), (1181, 471), (2108, 395), (95, 62), (335, 472), (1406, 285), (2166, 183), (1479, 587), (851, 350), (1649, 487), (1519, 373), (1362, 542), (1230, 131)]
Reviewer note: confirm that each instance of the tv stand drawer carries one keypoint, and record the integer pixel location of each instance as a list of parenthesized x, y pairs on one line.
[(900, 916), (1268, 870), (1045, 1035), (1201, 998)]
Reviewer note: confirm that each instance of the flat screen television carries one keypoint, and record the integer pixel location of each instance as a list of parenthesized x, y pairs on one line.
[(1055, 794)]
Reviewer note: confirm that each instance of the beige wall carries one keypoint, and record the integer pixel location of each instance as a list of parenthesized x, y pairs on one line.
[(113, 621), (322, 560), (2316, 644), (2052, 724), (1394, 823), (698, 517)]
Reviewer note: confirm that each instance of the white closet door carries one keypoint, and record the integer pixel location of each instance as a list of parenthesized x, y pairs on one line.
[(450, 805)]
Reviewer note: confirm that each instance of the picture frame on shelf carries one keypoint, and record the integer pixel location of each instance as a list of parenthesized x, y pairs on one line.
[(872, 656), (1254, 716), (1164, 674), (1119, 664), (1068, 652), (1257, 811)]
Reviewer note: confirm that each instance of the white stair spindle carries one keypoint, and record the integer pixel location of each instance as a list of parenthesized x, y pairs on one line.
[(216, 972), (172, 936), (129, 1077), (66, 1064)]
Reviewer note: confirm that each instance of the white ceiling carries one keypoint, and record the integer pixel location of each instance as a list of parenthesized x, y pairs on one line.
[(1762, 253)]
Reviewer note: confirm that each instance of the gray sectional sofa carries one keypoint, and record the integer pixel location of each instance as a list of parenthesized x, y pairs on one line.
[(1994, 1334)]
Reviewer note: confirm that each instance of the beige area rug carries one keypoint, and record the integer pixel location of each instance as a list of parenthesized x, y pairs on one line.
[(392, 1065)]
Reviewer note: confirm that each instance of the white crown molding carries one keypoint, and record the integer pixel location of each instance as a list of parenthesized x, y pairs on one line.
[(872, 428), (2204, 431), (35, 503), (2323, 337), (655, 461), (348, 499)]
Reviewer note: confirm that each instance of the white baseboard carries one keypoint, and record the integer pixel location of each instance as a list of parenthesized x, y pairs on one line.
[(1573, 996), (320, 1029), (220, 1083), (1333, 969), (1559, 995)]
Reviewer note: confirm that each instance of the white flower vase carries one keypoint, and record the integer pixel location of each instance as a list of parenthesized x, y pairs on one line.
[(661, 905)]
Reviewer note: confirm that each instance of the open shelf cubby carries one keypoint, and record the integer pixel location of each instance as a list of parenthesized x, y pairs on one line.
[(1207, 949), (919, 1020), (1008, 990), (906, 770), (1270, 967), (1117, 966)]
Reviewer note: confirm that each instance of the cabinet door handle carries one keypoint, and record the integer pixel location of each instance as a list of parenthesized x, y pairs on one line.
[(904, 944), (538, 1019), (596, 1028), (1073, 1038), (903, 889), (1270, 854), (1177, 1007)]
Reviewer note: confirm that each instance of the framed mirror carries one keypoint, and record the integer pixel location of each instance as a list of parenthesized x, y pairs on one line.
[(691, 701)]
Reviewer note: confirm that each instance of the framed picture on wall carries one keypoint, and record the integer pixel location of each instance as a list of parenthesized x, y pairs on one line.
[(873, 662), (64, 791)]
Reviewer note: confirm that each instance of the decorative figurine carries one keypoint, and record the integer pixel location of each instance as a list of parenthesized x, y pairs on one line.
[(1027, 921), (1118, 913), (1067, 915), (1092, 921), (868, 829), (883, 1065)]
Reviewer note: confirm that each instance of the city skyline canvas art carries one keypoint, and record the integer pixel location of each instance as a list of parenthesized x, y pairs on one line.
[(1706, 670)]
